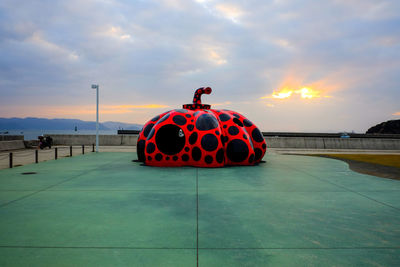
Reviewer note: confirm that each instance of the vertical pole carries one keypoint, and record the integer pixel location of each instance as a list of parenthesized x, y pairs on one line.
[(70, 151), (97, 118), (11, 159), (55, 153), (92, 147), (83, 149), (36, 156)]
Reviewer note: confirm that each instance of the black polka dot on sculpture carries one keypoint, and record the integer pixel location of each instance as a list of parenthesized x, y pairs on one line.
[(237, 150), (257, 136), (150, 148), (220, 156), (156, 118), (185, 157), (147, 129), (190, 127), (238, 122), (159, 157), (140, 150), (208, 159), (258, 154), (209, 142), (264, 146), (196, 153), (187, 149), (164, 118), (188, 116), (224, 117), (236, 115), (149, 158), (247, 123), (206, 122), (251, 158), (181, 110), (244, 137), (167, 158), (174, 158), (233, 130), (193, 138), (179, 119), (151, 134)]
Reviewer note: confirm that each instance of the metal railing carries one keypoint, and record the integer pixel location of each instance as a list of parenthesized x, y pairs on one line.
[(19, 158)]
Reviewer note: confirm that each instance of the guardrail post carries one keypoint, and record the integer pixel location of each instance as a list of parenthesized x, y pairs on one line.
[(70, 151), (36, 156), (11, 159), (55, 153), (92, 147), (83, 149)]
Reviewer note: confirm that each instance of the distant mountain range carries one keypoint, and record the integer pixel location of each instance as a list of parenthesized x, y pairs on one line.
[(62, 124)]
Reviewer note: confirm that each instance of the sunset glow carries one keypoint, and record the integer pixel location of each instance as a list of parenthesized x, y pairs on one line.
[(308, 93), (304, 93)]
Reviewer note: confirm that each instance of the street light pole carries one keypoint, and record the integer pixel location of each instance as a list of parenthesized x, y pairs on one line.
[(96, 86)]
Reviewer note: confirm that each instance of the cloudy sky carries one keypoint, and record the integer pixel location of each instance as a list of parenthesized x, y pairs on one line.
[(287, 65)]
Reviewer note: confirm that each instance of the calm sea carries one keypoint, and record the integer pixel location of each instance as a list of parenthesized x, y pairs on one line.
[(33, 134)]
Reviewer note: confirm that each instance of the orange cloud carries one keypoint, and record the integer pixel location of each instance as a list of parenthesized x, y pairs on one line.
[(396, 113)]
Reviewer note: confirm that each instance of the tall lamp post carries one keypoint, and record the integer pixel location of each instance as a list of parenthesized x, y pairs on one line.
[(96, 86)]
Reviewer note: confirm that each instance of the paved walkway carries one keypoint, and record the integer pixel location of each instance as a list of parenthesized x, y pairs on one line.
[(102, 209)]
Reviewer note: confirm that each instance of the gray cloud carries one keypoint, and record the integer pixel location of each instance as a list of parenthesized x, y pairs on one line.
[(159, 51)]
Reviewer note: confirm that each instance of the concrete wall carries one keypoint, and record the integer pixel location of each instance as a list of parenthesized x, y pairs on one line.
[(273, 142), (333, 143), (11, 145), (104, 140), (7, 137)]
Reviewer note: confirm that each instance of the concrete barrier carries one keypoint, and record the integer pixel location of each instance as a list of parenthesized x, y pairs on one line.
[(333, 143), (104, 140), (7, 137), (12, 145), (273, 142)]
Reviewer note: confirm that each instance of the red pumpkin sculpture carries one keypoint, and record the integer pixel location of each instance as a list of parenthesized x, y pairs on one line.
[(199, 136)]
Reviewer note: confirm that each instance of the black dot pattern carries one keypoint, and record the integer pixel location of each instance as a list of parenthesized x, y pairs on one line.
[(196, 153), (140, 150), (156, 118), (190, 127), (237, 150), (209, 142), (247, 123), (220, 156), (147, 129), (179, 119), (224, 117), (206, 122), (159, 157), (258, 154), (208, 159), (150, 148), (193, 138), (238, 122), (185, 157), (257, 136), (233, 130), (181, 110)]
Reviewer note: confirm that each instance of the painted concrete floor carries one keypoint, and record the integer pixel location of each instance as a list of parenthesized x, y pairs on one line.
[(105, 210)]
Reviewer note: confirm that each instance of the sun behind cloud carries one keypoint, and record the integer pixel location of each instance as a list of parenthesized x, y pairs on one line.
[(303, 92)]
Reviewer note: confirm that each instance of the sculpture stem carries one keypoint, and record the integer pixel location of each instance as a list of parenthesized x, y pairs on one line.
[(199, 92)]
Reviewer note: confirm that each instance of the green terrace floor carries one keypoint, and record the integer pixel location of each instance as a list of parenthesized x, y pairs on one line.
[(106, 210)]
